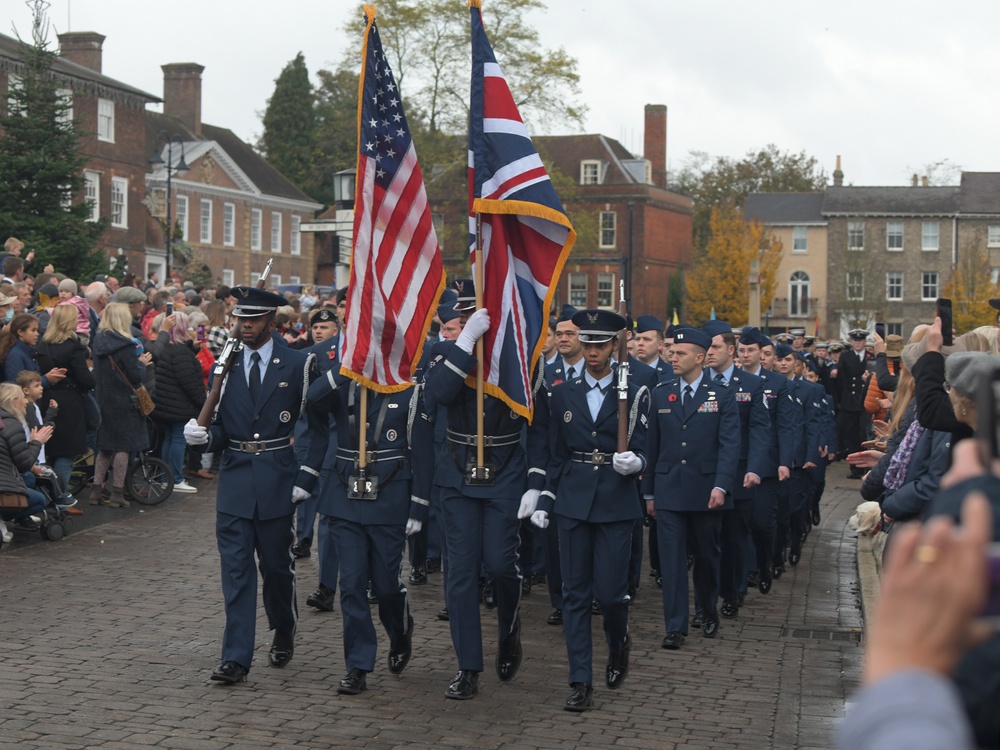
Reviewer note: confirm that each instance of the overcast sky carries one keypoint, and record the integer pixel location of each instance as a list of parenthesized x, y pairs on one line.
[(890, 85)]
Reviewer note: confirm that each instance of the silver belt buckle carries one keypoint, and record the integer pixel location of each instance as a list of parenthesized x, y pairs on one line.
[(597, 458), (252, 446)]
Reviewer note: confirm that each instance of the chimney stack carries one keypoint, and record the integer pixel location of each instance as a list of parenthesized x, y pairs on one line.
[(182, 94), (82, 48), (838, 176), (916, 181), (925, 181), (654, 142)]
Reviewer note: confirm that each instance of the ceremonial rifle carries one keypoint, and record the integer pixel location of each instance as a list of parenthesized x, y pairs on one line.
[(224, 362), (622, 385)]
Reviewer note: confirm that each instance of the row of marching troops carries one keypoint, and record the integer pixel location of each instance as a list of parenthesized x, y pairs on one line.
[(727, 444)]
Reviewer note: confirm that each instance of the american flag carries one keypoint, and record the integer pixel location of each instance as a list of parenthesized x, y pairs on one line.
[(397, 274), (526, 235)]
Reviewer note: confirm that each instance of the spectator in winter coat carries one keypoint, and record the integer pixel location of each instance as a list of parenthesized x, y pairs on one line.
[(17, 350), (18, 453)]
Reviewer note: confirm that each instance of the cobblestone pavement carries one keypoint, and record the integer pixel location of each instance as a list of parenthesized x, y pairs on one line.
[(108, 637)]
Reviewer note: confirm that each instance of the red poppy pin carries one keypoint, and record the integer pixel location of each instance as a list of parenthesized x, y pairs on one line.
[(672, 397), (331, 354)]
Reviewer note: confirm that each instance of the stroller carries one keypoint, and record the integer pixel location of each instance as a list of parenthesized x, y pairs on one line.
[(52, 522)]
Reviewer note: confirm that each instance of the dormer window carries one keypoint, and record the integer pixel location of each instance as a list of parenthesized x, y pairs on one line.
[(590, 172)]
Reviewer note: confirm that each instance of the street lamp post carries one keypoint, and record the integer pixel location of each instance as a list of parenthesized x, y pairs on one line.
[(163, 137)]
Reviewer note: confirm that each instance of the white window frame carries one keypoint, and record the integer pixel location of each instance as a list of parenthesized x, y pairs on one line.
[(276, 232), (181, 216), (92, 192), (106, 120), (893, 329), (924, 284), (855, 227), (894, 279), (294, 279), (993, 235), (590, 172), (858, 295), (275, 279), (119, 211), (228, 277), (894, 236), (256, 218), (800, 239), (925, 236), (799, 287), (575, 287), (608, 230), (295, 236), (254, 278), (228, 224), (606, 291), (205, 227)]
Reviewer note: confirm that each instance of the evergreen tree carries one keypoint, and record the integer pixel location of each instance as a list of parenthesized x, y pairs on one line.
[(289, 138), (41, 167)]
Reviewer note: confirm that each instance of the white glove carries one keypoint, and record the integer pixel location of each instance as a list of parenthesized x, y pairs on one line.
[(529, 501), (298, 495), (194, 433), (413, 526), (477, 324), (540, 518), (626, 463)]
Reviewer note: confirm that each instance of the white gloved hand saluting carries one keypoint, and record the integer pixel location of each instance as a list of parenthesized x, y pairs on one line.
[(298, 495), (540, 519), (529, 501), (477, 324), (413, 526), (194, 433), (626, 463)]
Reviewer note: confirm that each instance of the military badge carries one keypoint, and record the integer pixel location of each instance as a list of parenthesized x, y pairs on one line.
[(708, 407), (391, 435), (285, 417), (568, 417), (743, 397)]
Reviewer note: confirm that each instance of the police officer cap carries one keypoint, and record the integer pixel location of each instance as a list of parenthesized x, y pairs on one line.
[(810, 340), (782, 350), (784, 338), (646, 323), (465, 290), (598, 326), (692, 335), (822, 345), (566, 312), (798, 331), (835, 347), (323, 315), (751, 335), (446, 311), (252, 302), (714, 327), (858, 334)]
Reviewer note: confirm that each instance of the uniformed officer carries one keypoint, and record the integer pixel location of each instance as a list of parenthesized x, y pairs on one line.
[(798, 338), (817, 476), (481, 510), (693, 446), (851, 375), (593, 492), (259, 480), (648, 343), (755, 428), (369, 512)]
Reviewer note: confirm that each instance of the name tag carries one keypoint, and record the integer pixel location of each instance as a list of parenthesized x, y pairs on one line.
[(663, 411), (708, 407), (743, 398)]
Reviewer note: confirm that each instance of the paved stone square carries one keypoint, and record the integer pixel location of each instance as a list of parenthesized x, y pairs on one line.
[(108, 637)]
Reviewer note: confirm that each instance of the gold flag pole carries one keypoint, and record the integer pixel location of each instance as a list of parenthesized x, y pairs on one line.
[(363, 431), (480, 396)]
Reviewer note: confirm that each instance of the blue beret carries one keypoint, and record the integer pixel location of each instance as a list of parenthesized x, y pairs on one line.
[(783, 350), (691, 335), (646, 323), (714, 327)]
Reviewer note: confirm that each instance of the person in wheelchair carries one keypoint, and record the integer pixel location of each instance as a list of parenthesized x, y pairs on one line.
[(19, 449)]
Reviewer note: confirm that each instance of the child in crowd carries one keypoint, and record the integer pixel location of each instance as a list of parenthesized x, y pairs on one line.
[(68, 295)]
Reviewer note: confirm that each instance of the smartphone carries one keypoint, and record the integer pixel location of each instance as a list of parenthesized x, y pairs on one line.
[(880, 330), (170, 308), (201, 333), (944, 312)]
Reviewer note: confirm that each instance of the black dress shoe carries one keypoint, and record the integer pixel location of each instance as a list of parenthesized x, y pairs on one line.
[(794, 557), (229, 673), (302, 548), (659, 581), (322, 598), (372, 598), (753, 578), (526, 586), (509, 654), (711, 627), (776, 570), (582, 697), (355, 682), (741, 599), (464, 686), (282, 648), (555, 618), (538, 579), (433, 565), (617, 669), (399, 653), (595, 608), (690, 561), (764, 584), (443, 614), (814, 517), (489, 594), (697, 621), (673, 640), (729, 610), (654, 573), (418, 576)]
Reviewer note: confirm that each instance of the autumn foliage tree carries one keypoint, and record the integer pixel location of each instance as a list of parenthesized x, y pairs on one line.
[(719, 279), (970, 290)]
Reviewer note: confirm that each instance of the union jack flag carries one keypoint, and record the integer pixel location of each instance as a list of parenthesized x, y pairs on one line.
[(396, 270), (525, 234)]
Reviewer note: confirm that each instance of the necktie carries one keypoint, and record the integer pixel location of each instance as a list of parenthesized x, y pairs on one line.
[(571, 373), (255, 376), (687, 395), (720, 378)]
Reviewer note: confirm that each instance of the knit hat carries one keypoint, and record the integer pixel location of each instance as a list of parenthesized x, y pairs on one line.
[(965, 370), (68, 285)]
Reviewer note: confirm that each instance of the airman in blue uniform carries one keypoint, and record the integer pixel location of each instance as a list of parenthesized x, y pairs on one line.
[(592, 490), (693, 448), (259, 480)]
